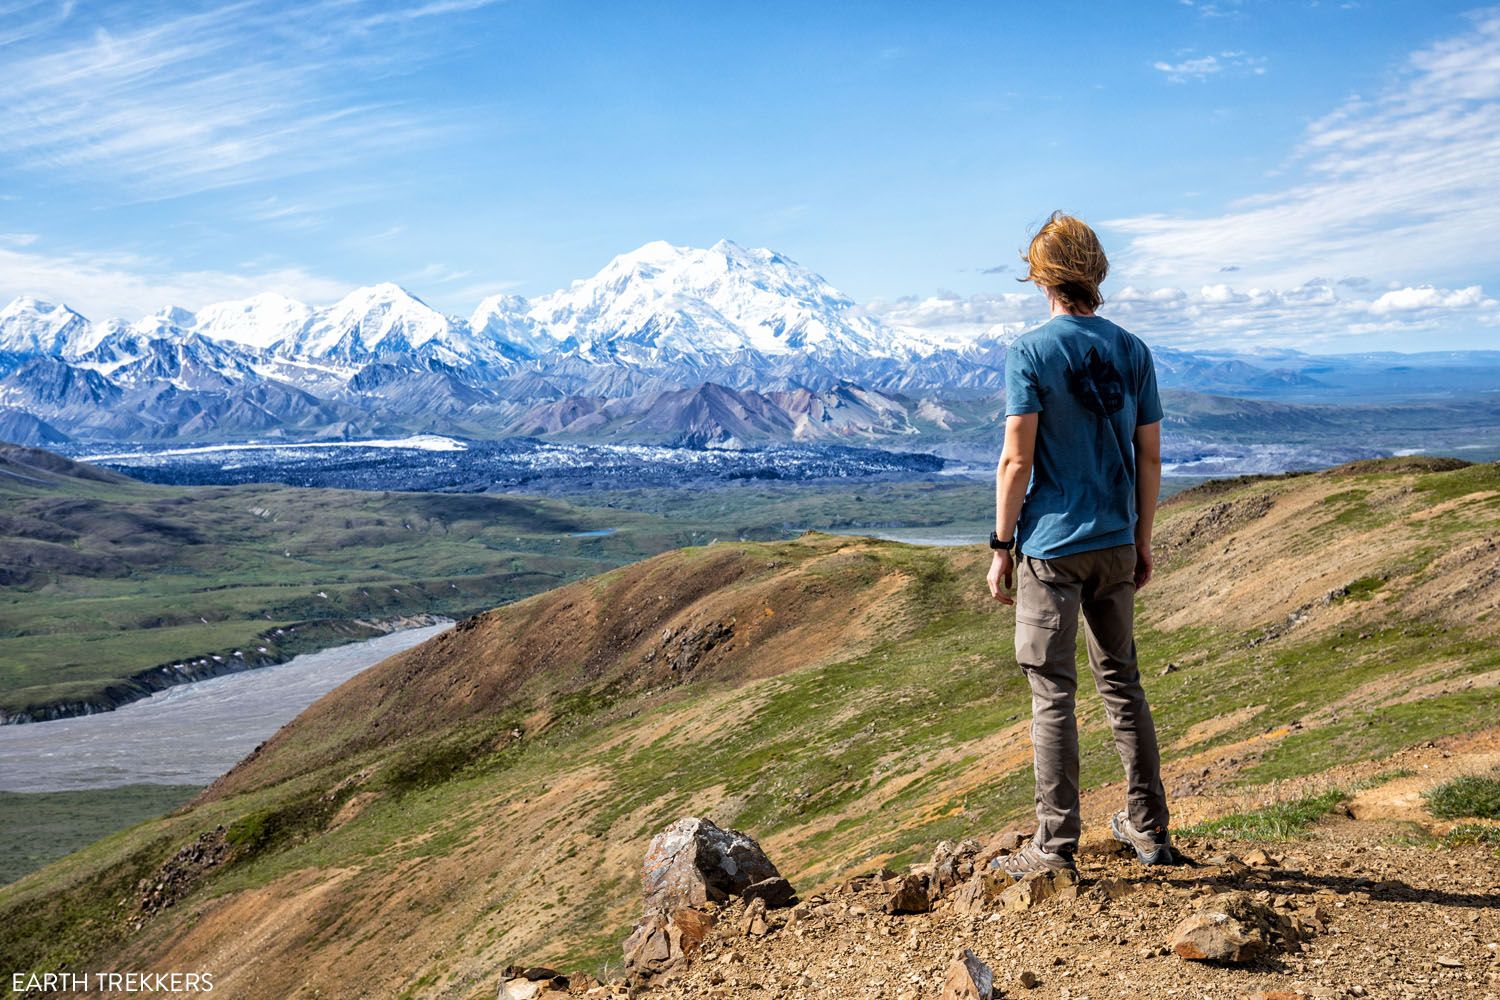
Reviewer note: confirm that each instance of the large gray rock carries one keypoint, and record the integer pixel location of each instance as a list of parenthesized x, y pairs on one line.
[(693, 862), (690, 865)]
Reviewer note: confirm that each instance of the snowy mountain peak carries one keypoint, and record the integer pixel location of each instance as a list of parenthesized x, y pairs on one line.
[(711, 303), (505, 321), (261, 321), (177, 316), (29, 325)]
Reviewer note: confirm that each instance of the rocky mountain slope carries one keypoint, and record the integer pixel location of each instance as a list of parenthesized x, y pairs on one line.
[(484, 801)]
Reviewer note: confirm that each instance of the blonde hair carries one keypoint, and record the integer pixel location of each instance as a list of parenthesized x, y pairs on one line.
[(1065, 255)]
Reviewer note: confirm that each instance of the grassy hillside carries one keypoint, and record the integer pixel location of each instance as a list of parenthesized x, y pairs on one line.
[(486, 797)]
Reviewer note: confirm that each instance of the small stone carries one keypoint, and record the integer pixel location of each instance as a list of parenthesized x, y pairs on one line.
[(1029, 980), (519, 989), (753, 923), (1449, 963), (908, 895), (979, 893), (1231, 928), (968, 978), (1038, 887), (777, 892)]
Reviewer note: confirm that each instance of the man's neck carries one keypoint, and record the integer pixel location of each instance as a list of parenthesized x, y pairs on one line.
[(1061, 310)]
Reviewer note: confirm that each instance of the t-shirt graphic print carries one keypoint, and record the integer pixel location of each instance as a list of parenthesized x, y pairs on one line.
[(1097, 384)]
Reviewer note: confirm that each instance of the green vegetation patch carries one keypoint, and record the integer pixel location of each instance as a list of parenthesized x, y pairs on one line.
[(1359, 590), (1468, 834), (1472, 796), (38, 827), (1279, 821)]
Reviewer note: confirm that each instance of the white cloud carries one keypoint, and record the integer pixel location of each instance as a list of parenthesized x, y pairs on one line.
[(1426, 297), (1318, 315), (106, 286), (953, 320), (1197, 69), (1203, 67), (1313, 315), (1391, 194), (1395, 187)]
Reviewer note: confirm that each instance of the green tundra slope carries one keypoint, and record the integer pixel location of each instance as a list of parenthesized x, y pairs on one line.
[(486, 797)]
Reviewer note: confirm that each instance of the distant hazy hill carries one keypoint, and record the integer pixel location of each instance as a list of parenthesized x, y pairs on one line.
[(485, 798)]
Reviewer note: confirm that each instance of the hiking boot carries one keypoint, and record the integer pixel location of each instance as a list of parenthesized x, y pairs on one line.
[(1032, 858), (1153, 848)]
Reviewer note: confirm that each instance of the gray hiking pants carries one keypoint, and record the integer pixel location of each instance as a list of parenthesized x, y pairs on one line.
[(1049, 595)]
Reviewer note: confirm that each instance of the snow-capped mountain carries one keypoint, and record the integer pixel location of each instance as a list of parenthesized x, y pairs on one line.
[(31, 326), (380, 320), (507, 320), (709, 345), (260, 322), (711, 304)]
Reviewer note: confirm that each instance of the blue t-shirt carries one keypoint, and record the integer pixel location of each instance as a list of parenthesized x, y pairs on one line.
[(1092, 384)]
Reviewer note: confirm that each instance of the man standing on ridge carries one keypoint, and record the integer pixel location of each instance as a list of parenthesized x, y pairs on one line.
[(1076, 493)]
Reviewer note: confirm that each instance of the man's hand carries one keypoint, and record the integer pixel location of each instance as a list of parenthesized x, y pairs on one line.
[(1143, 564), (1002, 570)]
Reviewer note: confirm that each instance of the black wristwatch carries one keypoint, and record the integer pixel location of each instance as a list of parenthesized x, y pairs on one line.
[(998, 545)]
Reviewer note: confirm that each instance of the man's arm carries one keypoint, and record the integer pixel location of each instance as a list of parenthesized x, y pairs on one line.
[(1012, 477), (1147, 489)]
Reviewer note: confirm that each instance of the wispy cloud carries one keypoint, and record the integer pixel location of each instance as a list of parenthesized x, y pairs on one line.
[(952, 319), (172, 102), (1315, 314), (1202, 67), (32, 18), (1208, 9), (129, 286), (1397, 189)]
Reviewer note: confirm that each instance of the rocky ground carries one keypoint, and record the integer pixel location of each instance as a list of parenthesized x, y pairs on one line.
[(1361, 906), (1396, 922)]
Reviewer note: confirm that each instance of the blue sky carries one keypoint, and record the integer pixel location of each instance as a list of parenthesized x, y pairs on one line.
[(1317, 175)]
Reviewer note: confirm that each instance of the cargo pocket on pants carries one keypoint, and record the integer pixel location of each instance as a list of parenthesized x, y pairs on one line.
[(1036, 637)]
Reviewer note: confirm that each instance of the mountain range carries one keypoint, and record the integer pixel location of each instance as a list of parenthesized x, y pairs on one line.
[(716, 346)]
